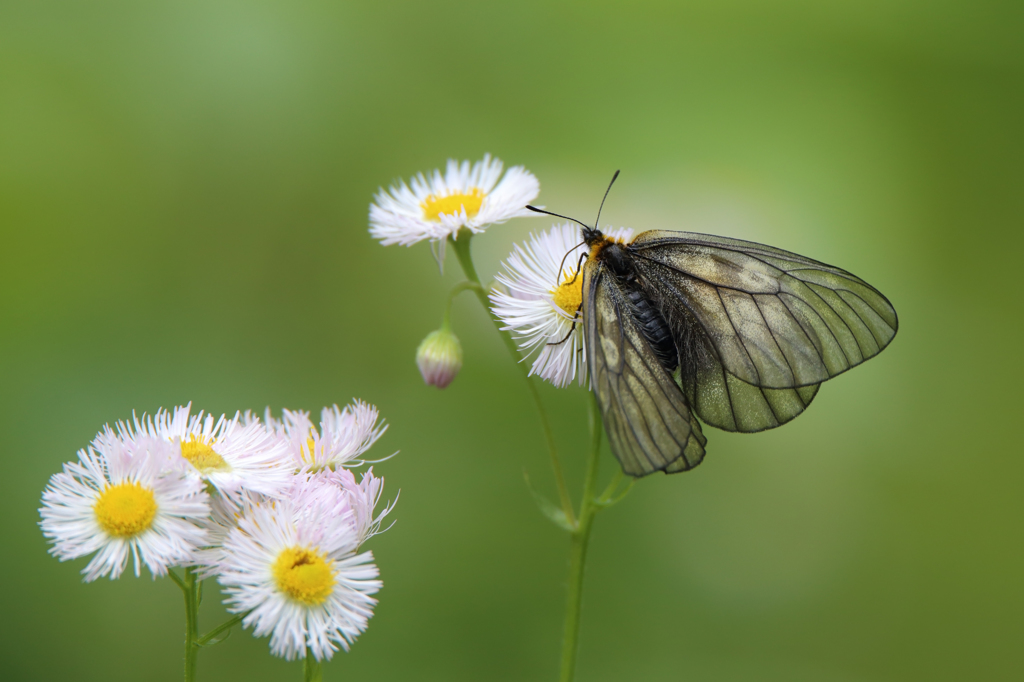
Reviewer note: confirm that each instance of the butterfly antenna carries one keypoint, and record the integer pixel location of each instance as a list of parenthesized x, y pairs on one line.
[(597, 223), (565, 217)]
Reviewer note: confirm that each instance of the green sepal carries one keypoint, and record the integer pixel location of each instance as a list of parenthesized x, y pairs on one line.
[(548, 508), (216, 640), (221, 632)]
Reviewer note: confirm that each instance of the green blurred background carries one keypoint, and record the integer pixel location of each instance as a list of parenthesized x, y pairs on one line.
[(183, 205)]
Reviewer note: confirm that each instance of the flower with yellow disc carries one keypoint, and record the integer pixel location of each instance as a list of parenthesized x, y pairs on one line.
[(125, 499), (293, 567), (538, 303), (436, 206), (231, 454)]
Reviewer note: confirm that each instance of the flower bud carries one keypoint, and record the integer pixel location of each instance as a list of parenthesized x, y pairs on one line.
[(439, 357)]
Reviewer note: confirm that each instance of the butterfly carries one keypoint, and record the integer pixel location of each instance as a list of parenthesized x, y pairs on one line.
[(682, 328)]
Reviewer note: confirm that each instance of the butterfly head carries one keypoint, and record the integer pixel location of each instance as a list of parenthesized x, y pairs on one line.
[(591, 236)]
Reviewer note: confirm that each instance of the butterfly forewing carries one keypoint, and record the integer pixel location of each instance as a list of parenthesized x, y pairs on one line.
[(776, 320), (757, 328), (649, 425)]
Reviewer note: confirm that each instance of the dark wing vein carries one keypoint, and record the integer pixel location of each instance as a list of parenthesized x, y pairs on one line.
[(732, 324), (807, 336), (775, 339), (851, 362)]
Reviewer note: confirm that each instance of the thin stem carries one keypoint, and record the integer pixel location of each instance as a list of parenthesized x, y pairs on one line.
[(456, 290), (177, 581), (226, 625), (312, 670), (609, 490), (462, 251), (578, 552), (191, 590)]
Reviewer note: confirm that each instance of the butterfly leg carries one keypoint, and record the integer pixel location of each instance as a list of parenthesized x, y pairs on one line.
[(571, 329), (578, 264)]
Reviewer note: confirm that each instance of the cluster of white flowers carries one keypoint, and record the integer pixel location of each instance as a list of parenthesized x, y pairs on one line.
[(267, 507)]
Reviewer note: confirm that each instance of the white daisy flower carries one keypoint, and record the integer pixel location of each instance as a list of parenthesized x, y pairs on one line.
[(356, 502), (296, 573), (539, 303), (434, 208), (125, 498), (230, 454), (344, 434)]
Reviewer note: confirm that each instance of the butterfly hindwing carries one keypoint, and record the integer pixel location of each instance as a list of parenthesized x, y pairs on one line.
[(724, 401), (649, 425)]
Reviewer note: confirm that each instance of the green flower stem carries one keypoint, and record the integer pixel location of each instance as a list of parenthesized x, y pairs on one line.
[(312, 670), (462, 251), (578, 552), (190, 588)]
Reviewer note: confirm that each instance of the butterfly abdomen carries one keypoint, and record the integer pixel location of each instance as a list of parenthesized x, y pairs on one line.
[(655, 329)]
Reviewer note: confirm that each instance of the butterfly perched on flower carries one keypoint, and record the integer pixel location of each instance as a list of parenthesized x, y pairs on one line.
[(681, 326)]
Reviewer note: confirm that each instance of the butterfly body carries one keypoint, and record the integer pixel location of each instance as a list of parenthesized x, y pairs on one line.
[(617, 259), (682, 325), (654, 327)]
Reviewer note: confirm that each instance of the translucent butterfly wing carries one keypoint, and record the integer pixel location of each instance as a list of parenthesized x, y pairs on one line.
[(767, 325), (649, 425), (776, 319)]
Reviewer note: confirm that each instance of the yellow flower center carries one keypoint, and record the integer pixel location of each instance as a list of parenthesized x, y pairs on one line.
[(202, 456), (125, 510), (434, 206), (569, 294), (305, 575), (309, 455)]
